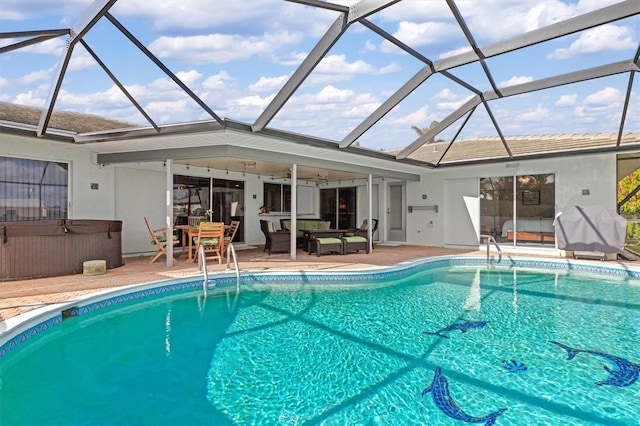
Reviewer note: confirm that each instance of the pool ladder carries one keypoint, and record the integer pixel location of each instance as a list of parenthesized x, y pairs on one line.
[(490, 240), (202, 266)]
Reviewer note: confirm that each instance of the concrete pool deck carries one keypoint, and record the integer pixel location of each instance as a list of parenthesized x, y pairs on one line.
[(17, 297), (21, 296)]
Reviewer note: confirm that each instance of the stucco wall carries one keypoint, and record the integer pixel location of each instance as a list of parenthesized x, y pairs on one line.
[(595, 173), (140, 190)]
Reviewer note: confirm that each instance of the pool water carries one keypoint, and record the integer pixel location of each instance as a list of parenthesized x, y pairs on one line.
[(448, 346)]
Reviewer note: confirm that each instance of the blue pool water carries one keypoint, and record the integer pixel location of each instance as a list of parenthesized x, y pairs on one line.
[(448, 346)]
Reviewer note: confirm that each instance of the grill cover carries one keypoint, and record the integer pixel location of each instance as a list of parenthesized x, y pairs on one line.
[(590, 228)]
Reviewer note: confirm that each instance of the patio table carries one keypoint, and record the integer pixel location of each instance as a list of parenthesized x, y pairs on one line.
[(189, 232)]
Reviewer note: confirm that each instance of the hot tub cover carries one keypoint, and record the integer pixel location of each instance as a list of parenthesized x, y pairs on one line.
[(590, 228)]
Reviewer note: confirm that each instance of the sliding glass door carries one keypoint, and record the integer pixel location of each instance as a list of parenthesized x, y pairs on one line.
[(339, 206), (196, 196), (518, 209)]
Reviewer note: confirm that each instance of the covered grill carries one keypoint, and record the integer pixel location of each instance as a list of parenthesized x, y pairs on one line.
[(590, 228)]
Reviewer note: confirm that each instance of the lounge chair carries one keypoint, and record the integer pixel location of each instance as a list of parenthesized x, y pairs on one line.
[(275, 241), (211, 238), (159, 238)]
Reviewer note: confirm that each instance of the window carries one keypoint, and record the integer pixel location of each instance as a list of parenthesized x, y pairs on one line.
[(518, 209), (277, 197), (33, 189)]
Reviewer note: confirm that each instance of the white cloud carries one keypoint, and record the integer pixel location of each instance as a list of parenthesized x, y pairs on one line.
[(540, 113), (265, 84), (166, 111), (515, 80), (221, 48), (42, 75), (334, 64), (332, 94), (29, 99), (606, 96), (81, 60), (336, 68), (251, 101), (189, 78), (446, 100), (455, 52), (604, 38), (420, 34), (567, 100), (369, 46), (415, 118), (263, 15), (3, 82), (217, 81), (52, 46), (293, 59)]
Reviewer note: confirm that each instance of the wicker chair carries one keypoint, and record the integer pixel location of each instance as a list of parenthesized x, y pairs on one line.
[(275, 241), (361, 232)]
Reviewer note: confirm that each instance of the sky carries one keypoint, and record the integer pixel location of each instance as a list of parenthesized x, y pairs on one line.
[(236, 56)]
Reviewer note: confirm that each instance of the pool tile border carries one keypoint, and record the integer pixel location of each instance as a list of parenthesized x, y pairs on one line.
[(225, 282)]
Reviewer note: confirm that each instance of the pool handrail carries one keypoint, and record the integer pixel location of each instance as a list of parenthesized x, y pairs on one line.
[(202, 266), (491, 239), (231, 251)]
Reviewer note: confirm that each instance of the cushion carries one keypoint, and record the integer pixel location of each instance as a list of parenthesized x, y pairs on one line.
[(271, 227), (324, 225), (328, 240), (285, 223), (163, 239), (209, 241), (355, 239)]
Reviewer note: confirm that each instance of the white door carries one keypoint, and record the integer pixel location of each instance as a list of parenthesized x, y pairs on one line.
[(396, 209)]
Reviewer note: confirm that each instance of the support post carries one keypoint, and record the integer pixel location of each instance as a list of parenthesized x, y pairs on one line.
[(169, 212), (294, 209)]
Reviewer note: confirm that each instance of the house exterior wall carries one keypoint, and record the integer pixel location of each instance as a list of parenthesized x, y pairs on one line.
[(131, 191), (595, 173)]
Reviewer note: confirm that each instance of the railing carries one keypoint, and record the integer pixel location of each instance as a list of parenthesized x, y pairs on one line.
[(202, 266), (231, 251), (490, 240)]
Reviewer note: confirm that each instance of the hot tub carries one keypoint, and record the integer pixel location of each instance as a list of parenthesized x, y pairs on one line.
[(45, 248)]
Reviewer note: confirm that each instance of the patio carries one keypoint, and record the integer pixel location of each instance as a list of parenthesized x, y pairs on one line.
[(17, 297)]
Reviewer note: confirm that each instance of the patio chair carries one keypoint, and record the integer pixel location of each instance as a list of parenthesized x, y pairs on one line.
[(362, 230), (229, 235), (159, 238), (211, 237), (275, 241)]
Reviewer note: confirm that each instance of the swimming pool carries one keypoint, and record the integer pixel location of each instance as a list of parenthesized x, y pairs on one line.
[(440, 345)]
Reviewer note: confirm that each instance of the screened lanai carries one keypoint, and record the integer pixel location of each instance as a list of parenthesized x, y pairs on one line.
[(362, 75), (333, 90)]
